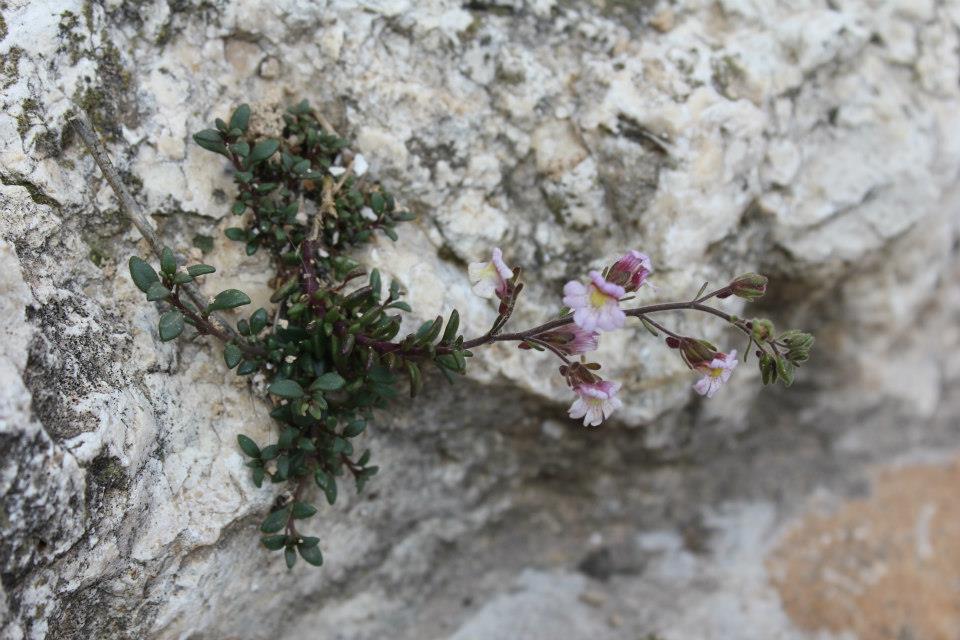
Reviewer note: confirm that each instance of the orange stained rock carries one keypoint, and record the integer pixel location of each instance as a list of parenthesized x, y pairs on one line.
[(885, 567)]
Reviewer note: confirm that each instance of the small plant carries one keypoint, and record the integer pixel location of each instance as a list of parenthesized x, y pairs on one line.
[(330, 352)]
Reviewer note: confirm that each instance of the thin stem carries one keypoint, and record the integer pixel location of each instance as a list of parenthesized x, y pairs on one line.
[(636, 313), (204, 326), (551, 347), (659, 326), (132, 210)]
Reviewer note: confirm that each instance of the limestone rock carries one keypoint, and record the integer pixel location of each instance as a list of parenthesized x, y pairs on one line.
[(816, 141)]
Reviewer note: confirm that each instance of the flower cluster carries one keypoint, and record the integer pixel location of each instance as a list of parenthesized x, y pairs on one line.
[(330, 346)]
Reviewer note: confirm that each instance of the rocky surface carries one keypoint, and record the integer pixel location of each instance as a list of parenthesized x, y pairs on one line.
[(817, 141)]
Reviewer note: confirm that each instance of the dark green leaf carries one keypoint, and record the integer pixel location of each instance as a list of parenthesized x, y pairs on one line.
[(354, 428), (452, 325), (276, 521), (321, 478), (249, 446), (171, 325), (236, 233), (310, 553), (200, 270), (331, 491), (157, 292), (232, 355), (258, 320), (247, 367), (416, 381), (269, 452), (142, 273), (211, 140), (290, 555), (303, 510), (228, 300), (182, 278), (262, 150), (168, 263), (240, 117), (286, 389), (274, 543), (330, 381)]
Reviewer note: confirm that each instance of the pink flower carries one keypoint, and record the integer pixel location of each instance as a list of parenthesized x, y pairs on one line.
[(631, 271), (595, 402), (571, 339), (490, 278), (717, 372), (595, 305)]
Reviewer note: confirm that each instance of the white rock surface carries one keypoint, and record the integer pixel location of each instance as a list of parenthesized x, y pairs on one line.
[(816, 141)]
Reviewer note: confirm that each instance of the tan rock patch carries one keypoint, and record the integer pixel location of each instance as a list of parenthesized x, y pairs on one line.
[(883, 567)]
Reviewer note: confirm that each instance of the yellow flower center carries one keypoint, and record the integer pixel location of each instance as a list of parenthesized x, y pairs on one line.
[(716, 372), (597, 298)]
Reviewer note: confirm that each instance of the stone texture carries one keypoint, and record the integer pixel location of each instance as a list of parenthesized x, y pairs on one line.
[(816, 141)]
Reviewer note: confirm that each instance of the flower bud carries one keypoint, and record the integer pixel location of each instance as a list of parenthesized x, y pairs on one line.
[(697, 353), (762, 329), (749, 286), (631, 271)]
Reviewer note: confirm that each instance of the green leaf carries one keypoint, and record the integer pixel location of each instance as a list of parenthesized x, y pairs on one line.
[(258, 320), (247, 367), (240, 117), (330, 381), (157, 292), (416, 381), (269, 452), (168, 263), (236, 233), (171, 325), (276, 521), (274, 543), (303, 510), (354, 428), (289, 389), (211, 140), (452, 325), (785, 371), (200, 270), (377, 203), (142, 273), (262, 150), (283, 467), (310, 553), (258, 475), (400, 304), (182, 278), (331, 491), (229, 299), (649, 327), (232, 355), (322, 478), (290, 556), (249, 446)]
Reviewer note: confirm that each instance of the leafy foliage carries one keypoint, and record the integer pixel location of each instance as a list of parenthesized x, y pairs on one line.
[(323, 352), (331, 349)]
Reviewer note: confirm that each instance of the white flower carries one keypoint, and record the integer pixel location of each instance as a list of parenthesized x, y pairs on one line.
[(490, 278), (716, 373), (595, 402), (595, 305)]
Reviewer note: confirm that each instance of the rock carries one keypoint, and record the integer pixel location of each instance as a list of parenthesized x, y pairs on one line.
[(817, 144)]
